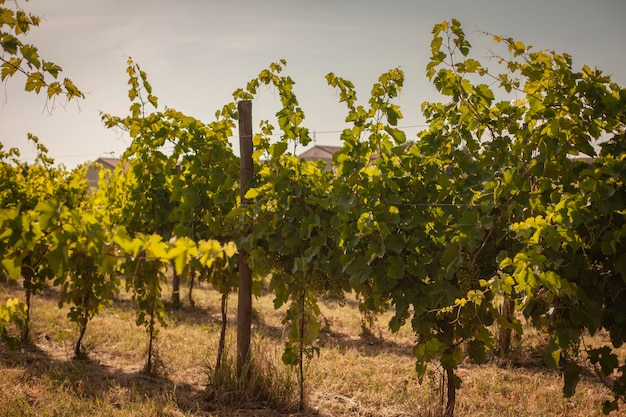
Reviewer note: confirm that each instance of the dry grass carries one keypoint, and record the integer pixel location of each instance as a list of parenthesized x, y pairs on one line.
[(357, 373)]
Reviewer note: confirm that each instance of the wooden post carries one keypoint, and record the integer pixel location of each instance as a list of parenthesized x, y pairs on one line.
[(244, 299)]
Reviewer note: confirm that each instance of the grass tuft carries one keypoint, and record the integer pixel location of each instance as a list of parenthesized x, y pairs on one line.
[(269, 384)]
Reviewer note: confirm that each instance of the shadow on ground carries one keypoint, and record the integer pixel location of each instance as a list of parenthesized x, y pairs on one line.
[(86, 378)]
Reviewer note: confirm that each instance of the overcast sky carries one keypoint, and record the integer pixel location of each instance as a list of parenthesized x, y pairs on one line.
[(197, 52)]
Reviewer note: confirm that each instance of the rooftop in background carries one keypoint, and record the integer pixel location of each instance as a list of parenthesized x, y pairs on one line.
[(105, 163), (320, 153), (110, 163), (316, 153)]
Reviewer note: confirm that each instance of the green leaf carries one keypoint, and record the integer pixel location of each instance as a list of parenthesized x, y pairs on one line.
[(210, 250), (29, 52), (552, 355), (54, 89), (485, 94), (606, 359), (7, 16), (48, 210), (471, 65), (477, 351), (290, 356), (252, 193), (9, 43), (35, 82), (398, 135), (180, 252), (9, 67), (571, 377), (230, 249), (396, 268), (393, 115), (134, 129), (435, 44), (278, 149), (52, 68), (71, 89), (13, 267)]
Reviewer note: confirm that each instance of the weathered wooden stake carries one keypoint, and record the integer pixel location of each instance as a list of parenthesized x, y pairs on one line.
[(244, 300)]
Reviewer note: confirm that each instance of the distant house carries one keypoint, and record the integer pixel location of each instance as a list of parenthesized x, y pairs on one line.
[(97, 165), (321, 153)]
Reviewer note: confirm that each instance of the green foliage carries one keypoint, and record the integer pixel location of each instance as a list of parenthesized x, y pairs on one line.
[(572, 264), (516, 159), (56, 233), (410, 231), (29, 195), (13, 312), (178, 177), (17, 56), (490, 202), (291, 235), (35, 202), (425, 228)]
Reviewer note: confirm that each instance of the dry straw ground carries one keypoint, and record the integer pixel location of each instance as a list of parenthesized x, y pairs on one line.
[(360, 371)]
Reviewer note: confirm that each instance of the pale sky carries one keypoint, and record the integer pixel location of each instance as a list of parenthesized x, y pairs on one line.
[(196, 53)]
